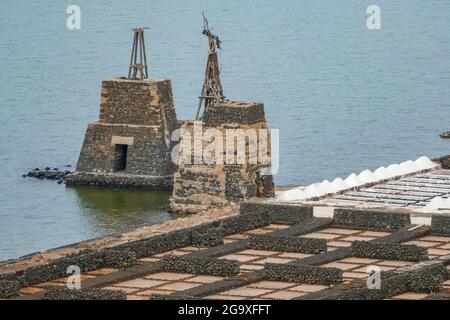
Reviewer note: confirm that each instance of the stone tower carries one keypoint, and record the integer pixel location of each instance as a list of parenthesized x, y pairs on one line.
[(201, 186), (129, 146)]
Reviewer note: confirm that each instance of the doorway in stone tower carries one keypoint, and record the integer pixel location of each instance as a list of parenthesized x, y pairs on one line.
[(120, 157)]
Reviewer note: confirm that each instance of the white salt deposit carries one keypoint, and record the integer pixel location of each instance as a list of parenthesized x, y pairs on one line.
[(382, 173), (438, 203), (367, 176), (409, 166), (424, 163), (353, 181), (396, 170), (339, 184), (326, 187)]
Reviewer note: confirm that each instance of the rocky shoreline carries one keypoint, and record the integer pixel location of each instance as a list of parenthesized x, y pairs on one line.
[(49, 174)]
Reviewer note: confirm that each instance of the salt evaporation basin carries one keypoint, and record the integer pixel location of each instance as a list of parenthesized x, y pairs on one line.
[(438, 203), (409, 166), (367, 176), (382, 173), (353, 181), (339, 184), (424, 163)]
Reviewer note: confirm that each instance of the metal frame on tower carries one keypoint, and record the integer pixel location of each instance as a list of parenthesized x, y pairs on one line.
[(138, 48), (212, 88)]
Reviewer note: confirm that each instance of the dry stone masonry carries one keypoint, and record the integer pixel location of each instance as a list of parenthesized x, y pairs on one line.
[(199, 186), (130, 144)]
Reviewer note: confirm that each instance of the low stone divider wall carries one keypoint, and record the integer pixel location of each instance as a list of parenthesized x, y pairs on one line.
[(388, 251), (287, 244), (200, 265)]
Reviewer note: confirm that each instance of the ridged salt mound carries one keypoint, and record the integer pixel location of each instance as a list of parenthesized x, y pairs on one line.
[(353, 181), (448, 202), (396, 170), (326, 187), (409, 166), (424, 163), (367, 176), (382, 174), (291, 194), (339, 184)]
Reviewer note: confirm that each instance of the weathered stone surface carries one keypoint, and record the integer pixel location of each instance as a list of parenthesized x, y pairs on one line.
[(62, 293), (371, 219), (227, 112), (137, 118), (288, 244), (121, 181), (441, 224), (292, 213), (9, 289), (199, 186), (200, 265), (302, 274), (388, 251)]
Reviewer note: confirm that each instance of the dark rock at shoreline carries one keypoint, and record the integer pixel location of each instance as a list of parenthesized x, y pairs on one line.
[(445, 135), (48, 174)]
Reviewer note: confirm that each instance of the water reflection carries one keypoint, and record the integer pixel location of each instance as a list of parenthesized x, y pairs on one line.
[(109, 211)]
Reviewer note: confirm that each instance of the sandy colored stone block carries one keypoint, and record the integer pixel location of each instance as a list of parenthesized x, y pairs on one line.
[(102, 272), (178, 286), (438, 252), (251, 267), (278, 226), (308, 288), (271, 285), (359, 260), (134, 297), (339, 244), (355, 275), (274, 260), (154, 291), (30, 290), (126, 290), (140, 283), (445, 247), (283, 295), (410, 296), (246, 292), (321, 235), (294, 255), (204, 279), (394, 263), (357, 238), (342, 266), (224, 297), (168, 276), (374, 234)]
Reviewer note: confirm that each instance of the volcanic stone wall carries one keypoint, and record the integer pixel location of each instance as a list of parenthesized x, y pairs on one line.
[(199, 186), (138, 116)]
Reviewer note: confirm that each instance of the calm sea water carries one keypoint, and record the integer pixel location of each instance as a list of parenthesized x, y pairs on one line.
[(344, 98)]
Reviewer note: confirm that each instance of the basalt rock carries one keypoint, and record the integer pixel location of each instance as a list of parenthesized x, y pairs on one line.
[(9, 289), (288, 244), (302, 274), (388, 251), (62, 293), (200, 265)]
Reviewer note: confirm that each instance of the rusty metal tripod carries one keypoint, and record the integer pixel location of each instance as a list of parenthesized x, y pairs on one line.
[(212, 88), (138, 47)]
